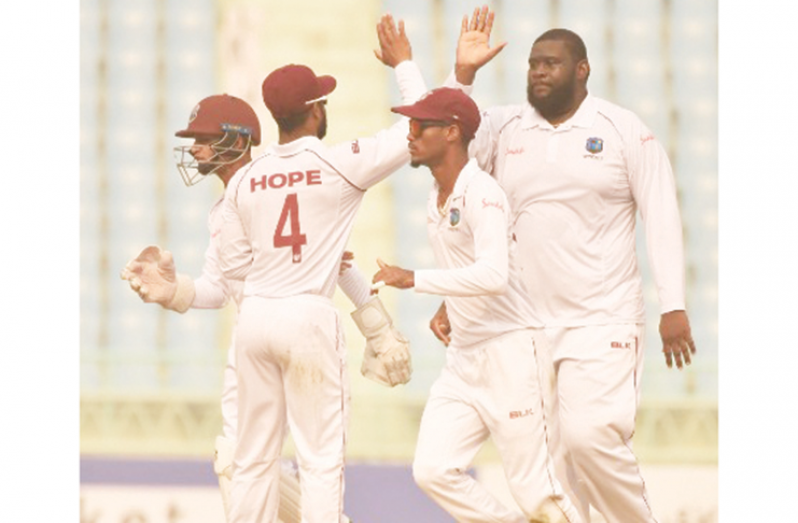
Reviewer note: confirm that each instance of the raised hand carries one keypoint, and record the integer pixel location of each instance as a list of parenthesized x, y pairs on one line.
[(473, 46), (394, 44)]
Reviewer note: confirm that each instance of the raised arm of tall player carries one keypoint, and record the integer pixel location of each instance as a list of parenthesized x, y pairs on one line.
[(473, 45), (473, 52)]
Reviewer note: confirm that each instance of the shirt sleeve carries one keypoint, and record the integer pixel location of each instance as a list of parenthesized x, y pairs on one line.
[(235, 250), (483, 146), (486, 215), (410, 81), (451, 81), (367, 161), (654, 189), (354, 285), (212, 289)]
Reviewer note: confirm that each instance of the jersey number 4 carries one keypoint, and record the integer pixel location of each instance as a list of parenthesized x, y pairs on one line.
[(294, 239)]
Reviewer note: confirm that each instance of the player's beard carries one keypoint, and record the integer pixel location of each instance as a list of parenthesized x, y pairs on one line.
[(557, 102), (322, 130), (205, 167)]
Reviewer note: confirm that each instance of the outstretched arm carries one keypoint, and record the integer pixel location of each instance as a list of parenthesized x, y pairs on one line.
[(386, 358), (473, 46), (373, 158), (395, 52), (394, 276)]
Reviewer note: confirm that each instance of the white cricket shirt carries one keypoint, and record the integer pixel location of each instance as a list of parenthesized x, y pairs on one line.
[(470, 237), (574, 191), (288, 214), (212, 288)]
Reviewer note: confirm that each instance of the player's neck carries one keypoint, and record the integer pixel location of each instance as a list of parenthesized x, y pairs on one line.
[(310, 127), (293, 136), (446, 173), (228, 171)]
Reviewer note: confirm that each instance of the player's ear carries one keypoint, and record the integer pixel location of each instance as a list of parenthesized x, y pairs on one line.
[(318, 110), (453, 133), (583, 70)]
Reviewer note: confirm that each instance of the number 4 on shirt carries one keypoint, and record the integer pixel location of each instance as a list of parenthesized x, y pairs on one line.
[(295, 239)]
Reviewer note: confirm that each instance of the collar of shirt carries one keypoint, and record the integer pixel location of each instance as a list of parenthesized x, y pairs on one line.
[(458, 191), (300, 144), (583, 117)]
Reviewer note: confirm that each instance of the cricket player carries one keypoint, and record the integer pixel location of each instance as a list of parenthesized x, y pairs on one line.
[(490, 384), (576, 169), (287, 216), (224, 129)]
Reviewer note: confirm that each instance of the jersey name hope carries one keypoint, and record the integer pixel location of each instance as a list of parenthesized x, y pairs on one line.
[(297, 211)]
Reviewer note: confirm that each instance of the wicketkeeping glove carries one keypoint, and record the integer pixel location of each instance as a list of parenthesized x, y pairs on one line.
[(386, 358), (152, 275)]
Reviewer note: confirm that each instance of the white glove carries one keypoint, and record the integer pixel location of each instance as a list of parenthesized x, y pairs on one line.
[(386, 358), (152, 275)]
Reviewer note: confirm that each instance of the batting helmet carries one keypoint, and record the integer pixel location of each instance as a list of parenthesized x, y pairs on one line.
[(219, 114), (224, 116)]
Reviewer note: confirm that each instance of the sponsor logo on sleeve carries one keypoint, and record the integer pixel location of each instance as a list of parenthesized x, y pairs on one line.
[(498, 205), (356, 147)]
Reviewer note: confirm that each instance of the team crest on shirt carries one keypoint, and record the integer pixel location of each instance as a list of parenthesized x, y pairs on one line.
[(454, 217), (594, 145)]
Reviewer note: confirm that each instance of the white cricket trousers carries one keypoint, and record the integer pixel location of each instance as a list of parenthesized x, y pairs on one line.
[(597, 372), (290, 358), (230, 395), (490, 389)]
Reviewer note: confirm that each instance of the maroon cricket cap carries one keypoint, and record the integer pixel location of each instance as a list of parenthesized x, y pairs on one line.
[(447, 105), (287, 90)]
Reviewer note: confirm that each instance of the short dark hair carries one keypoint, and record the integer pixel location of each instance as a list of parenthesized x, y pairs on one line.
[(464, 138), (576, 47), (289, 123)]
